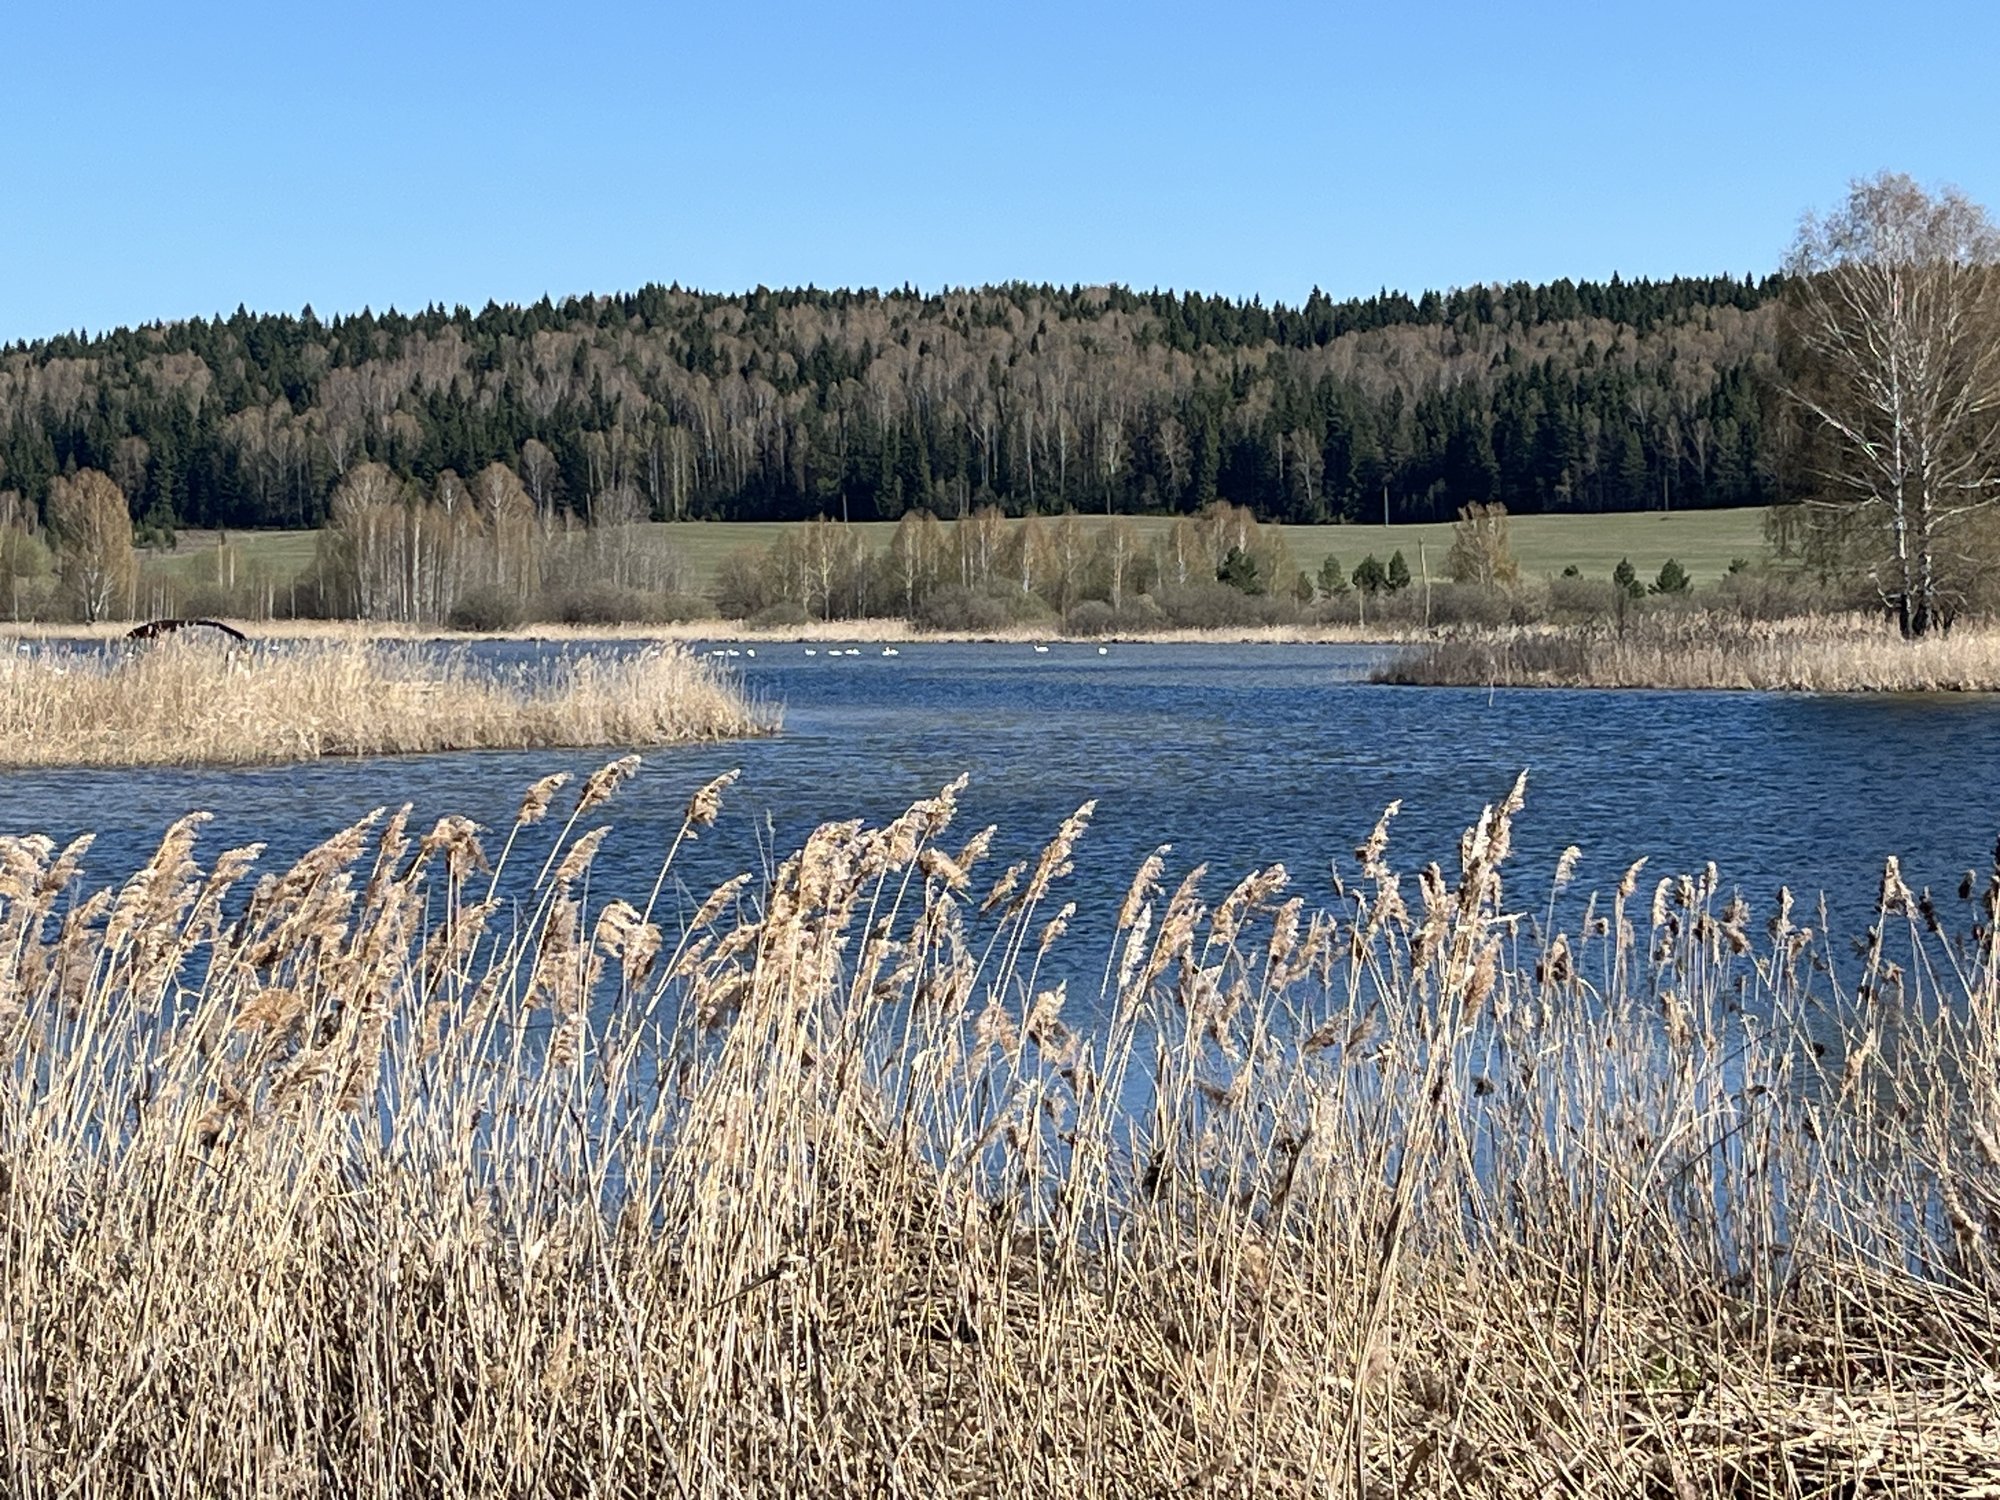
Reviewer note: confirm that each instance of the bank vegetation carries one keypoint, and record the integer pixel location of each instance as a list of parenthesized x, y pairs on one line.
[(186, 701), (346, 1179), (1819, 654)]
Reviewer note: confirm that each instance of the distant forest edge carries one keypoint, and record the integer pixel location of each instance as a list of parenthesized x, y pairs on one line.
[(863, 405)]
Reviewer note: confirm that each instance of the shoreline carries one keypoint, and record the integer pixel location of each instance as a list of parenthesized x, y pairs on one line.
[(881, 631), (1698, 651), (1830, 655)]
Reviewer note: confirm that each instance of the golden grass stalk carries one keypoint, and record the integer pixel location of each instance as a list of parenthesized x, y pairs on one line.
[(355, 1187), (186, 703), (1814, 654)]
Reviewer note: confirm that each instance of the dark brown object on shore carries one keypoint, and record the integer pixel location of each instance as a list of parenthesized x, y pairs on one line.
[(152, 630)]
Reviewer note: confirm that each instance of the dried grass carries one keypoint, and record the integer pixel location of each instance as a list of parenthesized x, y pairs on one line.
[(1815, 654), (349, 1189), (180, 702)]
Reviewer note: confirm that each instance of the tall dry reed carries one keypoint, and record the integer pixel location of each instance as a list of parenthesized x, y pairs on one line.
[(335, 1180), (1816, 654), (180, 702)]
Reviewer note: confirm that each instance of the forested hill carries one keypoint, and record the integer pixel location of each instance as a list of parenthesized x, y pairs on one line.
[(1613, 396)]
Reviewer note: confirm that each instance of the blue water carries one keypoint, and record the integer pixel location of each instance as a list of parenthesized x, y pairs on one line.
[(1237, 755)]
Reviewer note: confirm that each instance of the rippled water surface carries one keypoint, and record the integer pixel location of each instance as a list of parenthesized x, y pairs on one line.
[(1237, 755)]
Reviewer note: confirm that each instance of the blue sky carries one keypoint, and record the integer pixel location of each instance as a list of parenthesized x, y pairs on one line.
[(165, 161)]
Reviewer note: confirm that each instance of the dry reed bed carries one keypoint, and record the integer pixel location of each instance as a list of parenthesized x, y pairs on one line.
[(182, 702), (350, 1185), (1816, 654)]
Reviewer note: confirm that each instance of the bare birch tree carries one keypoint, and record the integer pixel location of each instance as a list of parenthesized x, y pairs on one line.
[(1481, 550), (93, 534), (1893, 337)]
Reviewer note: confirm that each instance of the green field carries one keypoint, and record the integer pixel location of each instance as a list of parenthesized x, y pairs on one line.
[(279, 556), (1704, 541)]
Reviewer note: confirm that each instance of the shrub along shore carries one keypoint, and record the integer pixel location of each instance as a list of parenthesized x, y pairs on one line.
[(1815, 654), (365, 1188), (184, 701)]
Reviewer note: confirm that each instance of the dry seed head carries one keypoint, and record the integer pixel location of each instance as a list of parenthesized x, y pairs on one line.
[(1057, 925), (706, 805), (1284, 935), (337, 853), (1003, 887), (1135, 947), (68, 863), (458, 838), (1388, 907), (1055, 863), (389, 847), (718, 898), (737, 939), (233, 864), (269, 1009), (691, 956), (1145, 885), (1895, 897), (535, 805), (22, 865), (975, 848), (941, 808), (1630, 881), (1502, 837), (1485, 971), (615, 923), (581, 853), (1044, 1022), (939, 866), (1781, 921), (995, 1028), (1250, 895), (1556, 968), (600, 786), (1566, 866), (1370, 852)]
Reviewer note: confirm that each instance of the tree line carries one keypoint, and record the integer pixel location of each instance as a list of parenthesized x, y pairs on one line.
[(675, 404)]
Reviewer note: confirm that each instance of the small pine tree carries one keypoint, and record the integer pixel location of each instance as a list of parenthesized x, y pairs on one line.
[(1302, 587), (1332, 581), (1626, 577), (1399, 572), (1673, 579), (1239, 571), (1368, 575)]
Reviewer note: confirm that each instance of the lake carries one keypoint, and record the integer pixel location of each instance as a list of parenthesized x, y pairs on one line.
[(1239, 756)]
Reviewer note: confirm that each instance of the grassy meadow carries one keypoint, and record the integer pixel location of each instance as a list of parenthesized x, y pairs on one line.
[(1705, 542), (368, 1185), (183, 701)]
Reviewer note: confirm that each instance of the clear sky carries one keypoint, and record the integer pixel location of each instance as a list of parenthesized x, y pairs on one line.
[(159, 161)]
